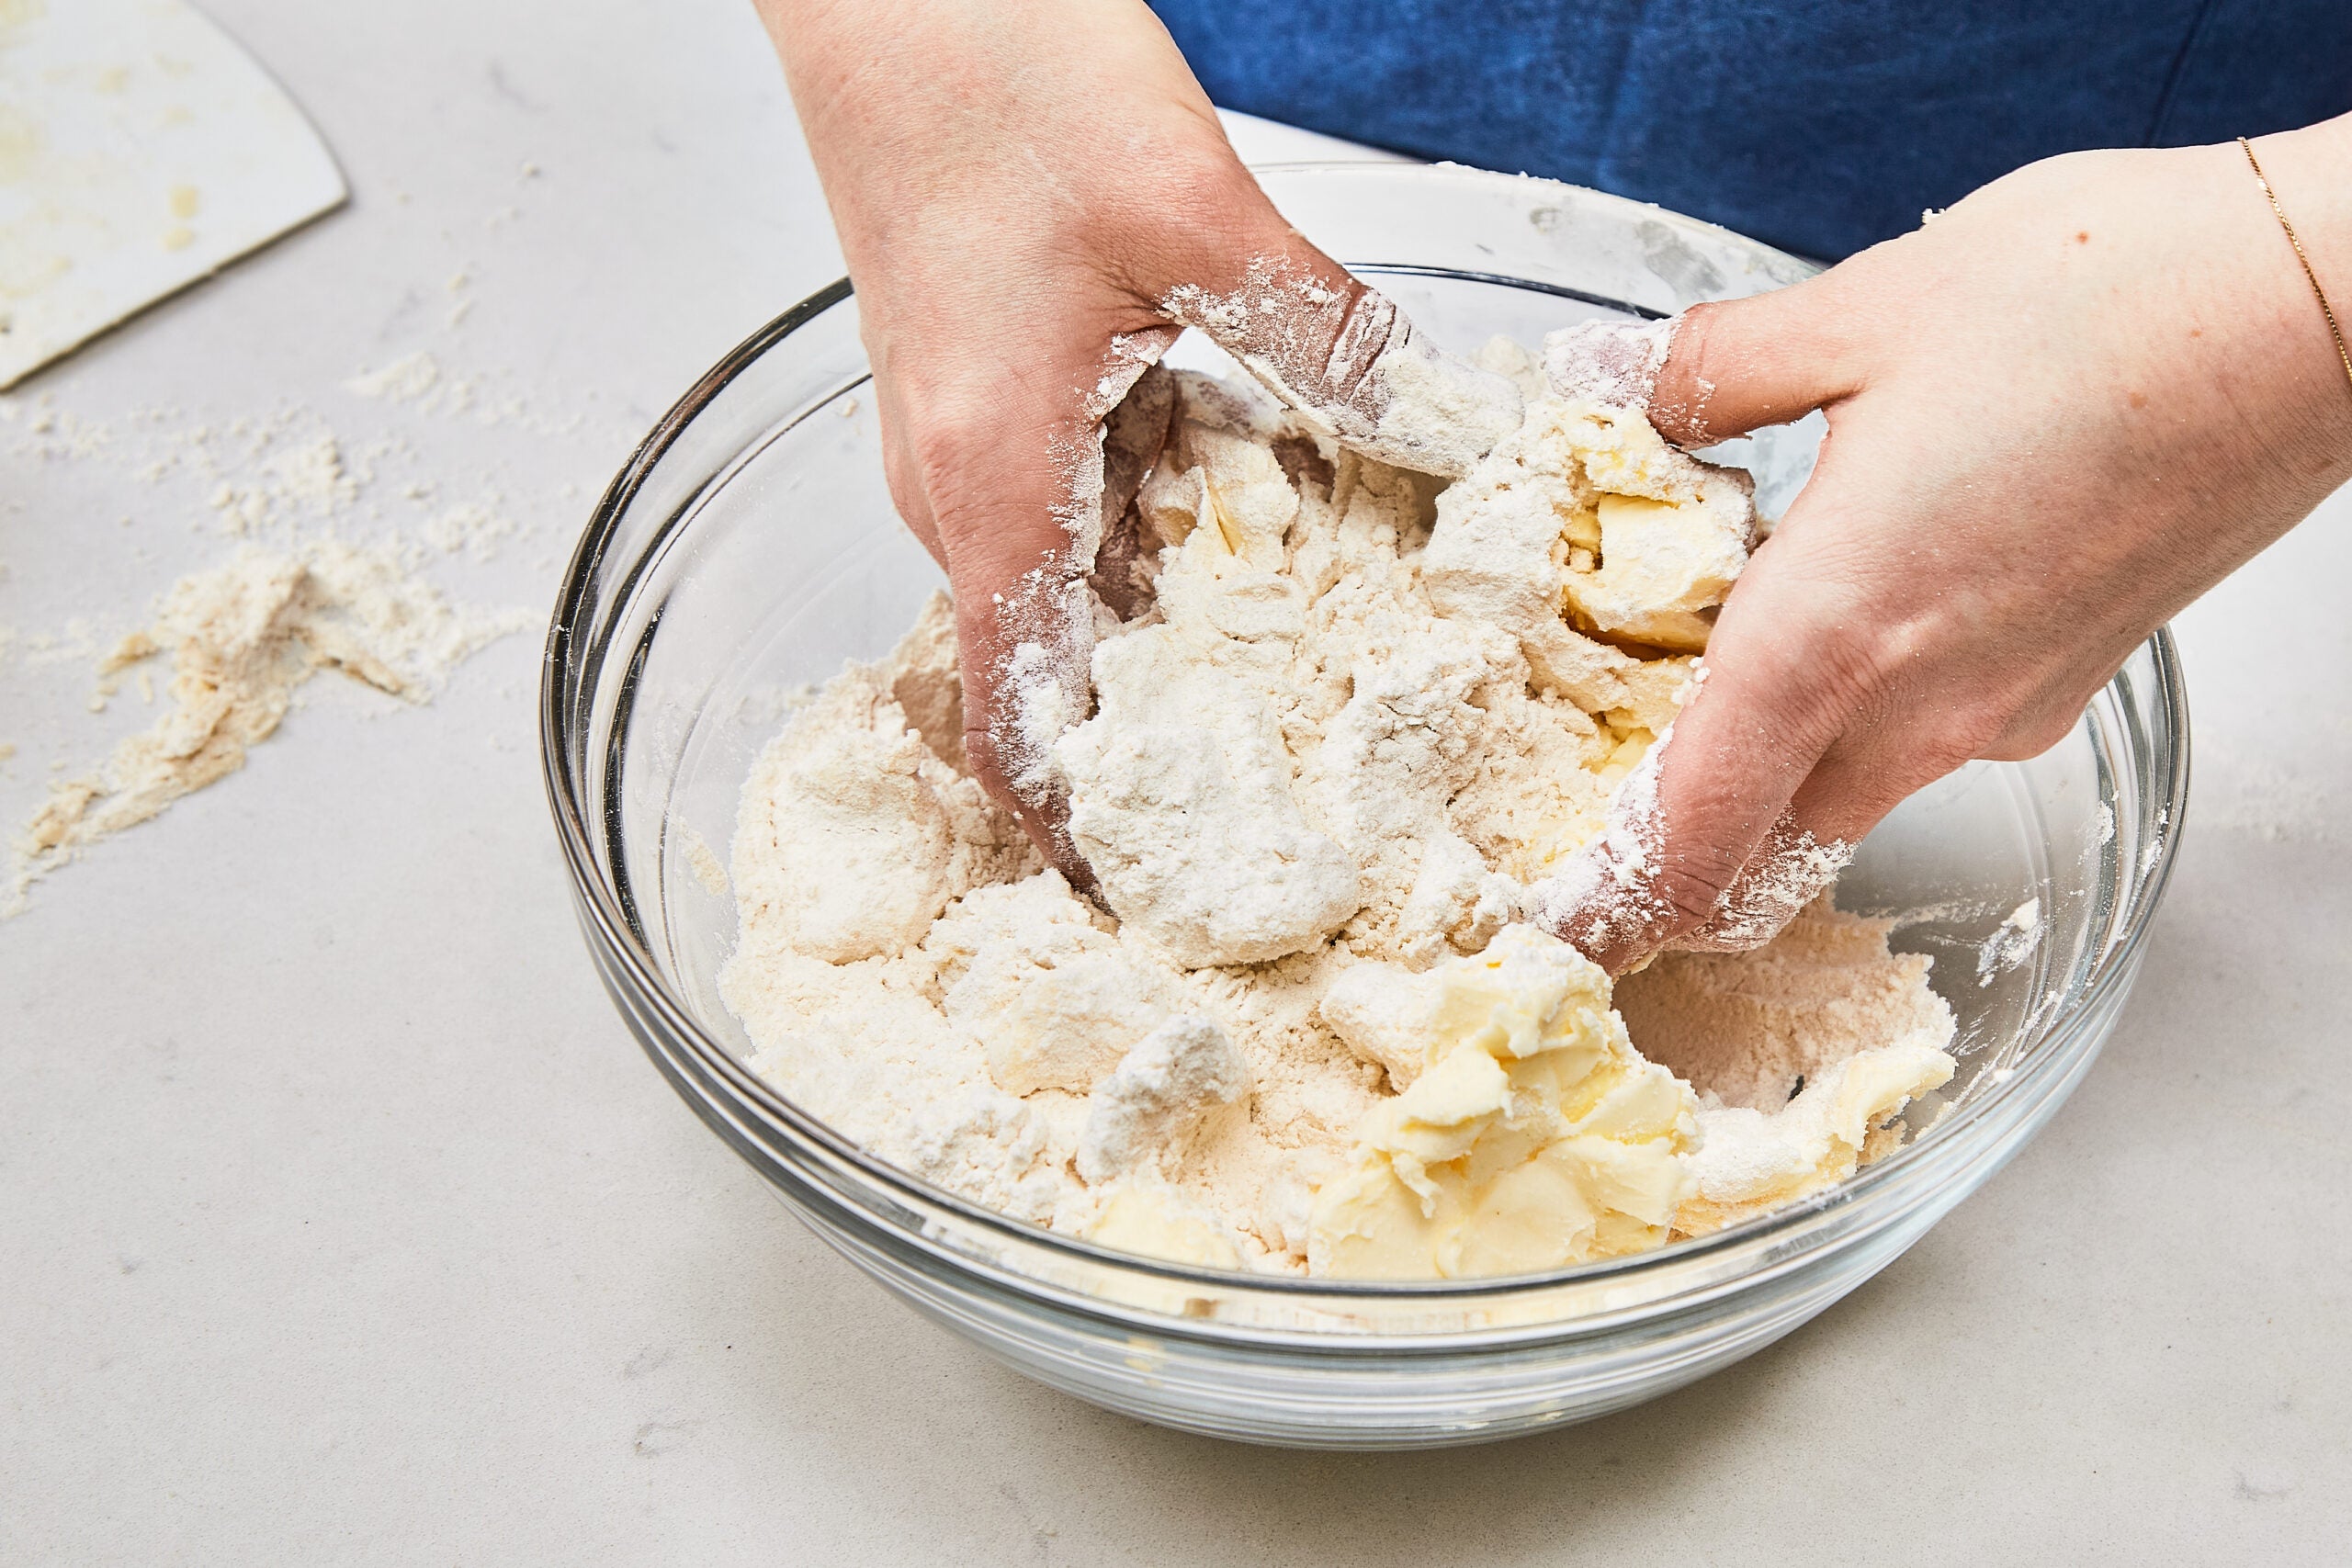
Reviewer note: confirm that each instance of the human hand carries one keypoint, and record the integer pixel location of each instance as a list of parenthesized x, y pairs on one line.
[(1034, 198), (2057, 414)]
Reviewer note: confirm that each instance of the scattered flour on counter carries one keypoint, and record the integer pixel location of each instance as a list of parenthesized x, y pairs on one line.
[(403, 380), (305, 481), (1348, 718), (474, 529), (334, 534), (242, 638)]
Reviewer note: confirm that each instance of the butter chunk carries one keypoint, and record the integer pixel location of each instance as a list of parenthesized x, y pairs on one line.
[(1634, 694), (1619, 454), (1152, 1219), (1220, 471), (1249, 498), (1663, 563), (1531, 1137), (1524, 539), (1502, 532)]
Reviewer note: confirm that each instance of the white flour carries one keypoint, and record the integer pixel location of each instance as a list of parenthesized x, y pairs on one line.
[(331, 538), (242, 638), (1350, 716)]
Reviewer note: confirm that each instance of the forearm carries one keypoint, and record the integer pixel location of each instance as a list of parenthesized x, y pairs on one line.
[(916, 110)]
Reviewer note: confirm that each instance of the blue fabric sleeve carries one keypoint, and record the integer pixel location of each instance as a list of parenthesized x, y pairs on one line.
[(1821, 126)]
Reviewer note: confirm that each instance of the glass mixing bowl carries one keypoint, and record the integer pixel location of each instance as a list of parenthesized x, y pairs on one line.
[(749, 546)]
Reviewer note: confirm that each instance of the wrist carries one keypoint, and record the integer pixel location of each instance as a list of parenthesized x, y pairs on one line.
[(1054, 128), (2303, 183)]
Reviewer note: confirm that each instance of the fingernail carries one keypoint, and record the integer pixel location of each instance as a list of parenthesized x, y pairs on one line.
[(1612, 363)]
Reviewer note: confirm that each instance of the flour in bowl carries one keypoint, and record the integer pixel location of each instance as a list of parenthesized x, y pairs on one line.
[(1349, 716)]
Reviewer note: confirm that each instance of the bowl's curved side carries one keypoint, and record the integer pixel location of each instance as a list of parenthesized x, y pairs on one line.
[(1201, 1367)]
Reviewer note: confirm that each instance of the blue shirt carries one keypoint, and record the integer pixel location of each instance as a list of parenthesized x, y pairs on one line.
[(1821, 126)]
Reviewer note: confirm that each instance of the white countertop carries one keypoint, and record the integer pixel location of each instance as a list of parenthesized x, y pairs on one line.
[(341, 1220)]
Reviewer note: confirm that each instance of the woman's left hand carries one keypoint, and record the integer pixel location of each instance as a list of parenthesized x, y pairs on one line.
[(2057, 414)]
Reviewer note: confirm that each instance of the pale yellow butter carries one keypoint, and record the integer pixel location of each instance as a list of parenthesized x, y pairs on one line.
[(1663, 565), (1147, 1217), (1533, 1135)]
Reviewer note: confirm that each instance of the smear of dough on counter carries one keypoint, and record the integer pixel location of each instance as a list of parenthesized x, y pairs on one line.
[(242, 638), (1350, 715)]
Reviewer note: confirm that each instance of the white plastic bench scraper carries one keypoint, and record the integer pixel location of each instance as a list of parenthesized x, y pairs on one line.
[(141, 150)]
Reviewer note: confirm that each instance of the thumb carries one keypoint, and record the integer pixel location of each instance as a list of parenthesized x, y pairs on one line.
[(1717, 371), (1347, 359)]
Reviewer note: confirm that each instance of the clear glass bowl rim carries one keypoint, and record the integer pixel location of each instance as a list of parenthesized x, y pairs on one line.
[(567, 681)]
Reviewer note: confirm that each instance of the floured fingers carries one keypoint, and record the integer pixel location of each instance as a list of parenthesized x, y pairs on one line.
[(1717, 371), (1348, 360)]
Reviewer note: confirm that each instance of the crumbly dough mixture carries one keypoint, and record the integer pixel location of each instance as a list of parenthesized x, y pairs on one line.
[(1345, 716)]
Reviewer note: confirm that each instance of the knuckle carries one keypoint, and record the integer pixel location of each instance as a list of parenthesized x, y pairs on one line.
[(1197, 175), (1696, 342), (903, 474), (1852, 664), (1962, 734), (2030, 734), (1615, 913), (956, 438), (1191, 212), (1869, 666), (1819, 672), (1691, 890), (992, 518), (2012, 723)]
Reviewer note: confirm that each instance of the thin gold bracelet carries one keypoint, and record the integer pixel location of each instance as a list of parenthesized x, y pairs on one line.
[(2317, 292)]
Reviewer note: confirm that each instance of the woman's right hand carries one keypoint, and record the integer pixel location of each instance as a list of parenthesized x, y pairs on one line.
[(1033, 196)]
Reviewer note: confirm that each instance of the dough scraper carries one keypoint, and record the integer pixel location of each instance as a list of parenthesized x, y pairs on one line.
[(141, 150)]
